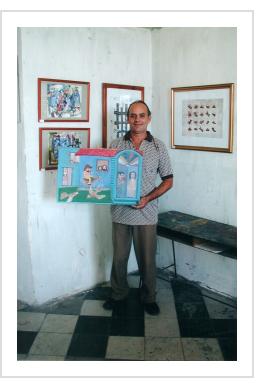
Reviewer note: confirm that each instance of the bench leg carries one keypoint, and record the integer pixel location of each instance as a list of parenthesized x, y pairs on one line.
[(174, 259)]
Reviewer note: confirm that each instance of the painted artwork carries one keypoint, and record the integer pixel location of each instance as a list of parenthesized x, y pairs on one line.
[(202, 118), (63, 139), (126, 184), (64, 101), (51, 139), (116, 100), (101, 176)]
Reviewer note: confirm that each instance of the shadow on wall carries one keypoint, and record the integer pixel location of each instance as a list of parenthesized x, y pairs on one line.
[(103, 250), (100, 254), (49, 184)]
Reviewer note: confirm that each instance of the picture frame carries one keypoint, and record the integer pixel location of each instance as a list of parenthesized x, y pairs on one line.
[(202, 117), (99, 175), (115, 102), (50, 139), (63, 100)]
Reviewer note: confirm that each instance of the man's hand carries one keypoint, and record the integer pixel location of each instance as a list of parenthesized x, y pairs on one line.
[(160, 190), (142, 203)]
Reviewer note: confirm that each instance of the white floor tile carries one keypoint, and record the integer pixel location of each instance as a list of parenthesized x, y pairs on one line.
[(27, 321), (125, 348), (57, 323), (37, 357), (201, 349), (51, 344), (95, 308), (163, 349), (162, 327)]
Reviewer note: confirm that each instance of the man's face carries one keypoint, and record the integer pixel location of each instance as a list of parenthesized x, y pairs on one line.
[(138, 118)]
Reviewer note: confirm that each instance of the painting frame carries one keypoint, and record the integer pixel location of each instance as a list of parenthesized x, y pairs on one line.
[(111, 93), (45, 159), (202, 117), (55, 105)]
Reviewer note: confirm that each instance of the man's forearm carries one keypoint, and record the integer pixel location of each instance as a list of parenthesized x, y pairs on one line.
[(161, 189)]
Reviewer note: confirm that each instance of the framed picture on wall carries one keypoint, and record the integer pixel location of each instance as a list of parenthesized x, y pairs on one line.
[(50, 139), (63, 100), (202, 117), (115, 102)]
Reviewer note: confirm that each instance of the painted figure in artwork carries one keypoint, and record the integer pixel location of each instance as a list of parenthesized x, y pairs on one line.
[(87, 177), (121, 184), (88, 180), (132, 184)]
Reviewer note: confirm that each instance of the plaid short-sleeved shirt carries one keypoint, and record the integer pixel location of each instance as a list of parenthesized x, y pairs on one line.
[(155, 162)]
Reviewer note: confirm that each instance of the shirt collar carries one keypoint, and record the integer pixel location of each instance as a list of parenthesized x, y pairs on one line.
[(149, 137)]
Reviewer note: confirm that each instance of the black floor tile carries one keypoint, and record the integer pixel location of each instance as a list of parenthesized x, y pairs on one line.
[(93, 325), (184, 293), (85, 345), (131, 307), (196, 328), (191, 311), (98, 293), (229, 348), (225, 327), (24, 341), (130, 327)]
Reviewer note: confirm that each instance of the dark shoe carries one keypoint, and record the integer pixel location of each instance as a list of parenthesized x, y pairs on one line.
[(110, 303), (152, 308)]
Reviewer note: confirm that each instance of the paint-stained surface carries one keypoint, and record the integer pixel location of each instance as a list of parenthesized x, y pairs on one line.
[(194, 231)]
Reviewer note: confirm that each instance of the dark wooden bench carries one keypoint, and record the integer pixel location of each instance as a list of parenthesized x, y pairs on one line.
[(197, 232)]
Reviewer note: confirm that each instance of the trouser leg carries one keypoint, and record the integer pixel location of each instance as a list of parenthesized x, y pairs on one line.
[(145, 245), (122, 239)]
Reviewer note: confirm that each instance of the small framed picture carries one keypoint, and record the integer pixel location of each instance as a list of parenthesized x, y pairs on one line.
[(115, 102), (202, 117), (63, 100), (50, 139)]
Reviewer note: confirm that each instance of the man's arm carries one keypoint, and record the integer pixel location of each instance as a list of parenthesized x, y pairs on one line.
[(160, 190)]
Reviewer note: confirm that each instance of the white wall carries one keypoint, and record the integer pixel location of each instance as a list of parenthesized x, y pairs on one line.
[(63, 249), (205, 182)]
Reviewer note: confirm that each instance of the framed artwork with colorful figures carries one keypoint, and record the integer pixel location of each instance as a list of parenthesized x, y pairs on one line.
[(63, 100), (115, 102), (99, 175), (202, 117), (50, 139)]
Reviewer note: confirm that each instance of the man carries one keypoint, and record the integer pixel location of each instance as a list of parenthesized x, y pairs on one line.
[(138, 223)]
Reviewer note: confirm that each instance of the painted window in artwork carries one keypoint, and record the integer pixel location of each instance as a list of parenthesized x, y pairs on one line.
[(67, 176)]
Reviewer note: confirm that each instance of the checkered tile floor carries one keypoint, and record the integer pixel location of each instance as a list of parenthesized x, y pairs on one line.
[(194, 324)]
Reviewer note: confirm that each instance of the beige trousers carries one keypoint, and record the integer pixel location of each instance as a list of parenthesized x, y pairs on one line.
[(144, 239)]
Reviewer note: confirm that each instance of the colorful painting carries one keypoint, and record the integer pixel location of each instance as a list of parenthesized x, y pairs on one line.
[(102, 176), (51, 139), (63, 139), (63, 100)]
